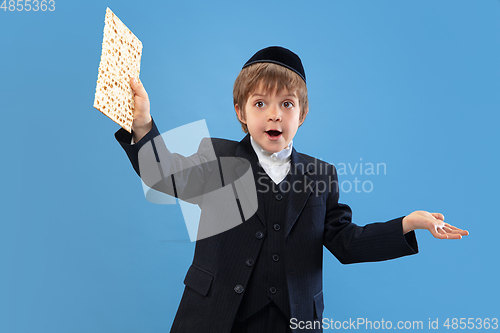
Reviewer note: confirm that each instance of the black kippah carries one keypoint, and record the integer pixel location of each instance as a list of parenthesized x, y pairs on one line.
[(280, 56)]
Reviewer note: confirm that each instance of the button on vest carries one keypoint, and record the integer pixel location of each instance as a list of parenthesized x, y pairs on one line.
[(268, 280)]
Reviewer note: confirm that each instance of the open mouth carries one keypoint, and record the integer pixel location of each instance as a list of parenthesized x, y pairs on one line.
[(274, 133)]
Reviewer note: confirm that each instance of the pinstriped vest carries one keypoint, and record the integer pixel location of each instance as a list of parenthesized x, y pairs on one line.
[(268, 281)]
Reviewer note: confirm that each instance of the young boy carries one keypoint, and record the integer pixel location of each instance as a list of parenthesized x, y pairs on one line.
[(264, 272)]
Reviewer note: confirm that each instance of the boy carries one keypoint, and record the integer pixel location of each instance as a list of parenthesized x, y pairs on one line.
[(265, 271)]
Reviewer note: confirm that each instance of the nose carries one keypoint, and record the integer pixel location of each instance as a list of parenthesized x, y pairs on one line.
[(274, 114)]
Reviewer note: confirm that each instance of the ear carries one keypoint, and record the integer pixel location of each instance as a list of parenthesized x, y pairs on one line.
[(240, 113), (303, 118)]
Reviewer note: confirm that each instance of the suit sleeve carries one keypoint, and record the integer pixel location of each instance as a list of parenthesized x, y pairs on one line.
[(124, 138), (170, 173), (351, 243)]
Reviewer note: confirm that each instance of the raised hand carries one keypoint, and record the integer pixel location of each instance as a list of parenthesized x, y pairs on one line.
[(142, 122), (434, 222)]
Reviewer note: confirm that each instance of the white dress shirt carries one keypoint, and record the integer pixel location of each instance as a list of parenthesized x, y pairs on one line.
[(276, 165)]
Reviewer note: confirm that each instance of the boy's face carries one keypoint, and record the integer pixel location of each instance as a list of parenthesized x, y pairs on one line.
[(272, 119)]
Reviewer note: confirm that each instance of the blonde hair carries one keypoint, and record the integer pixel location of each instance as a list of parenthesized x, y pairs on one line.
[(273, 78)]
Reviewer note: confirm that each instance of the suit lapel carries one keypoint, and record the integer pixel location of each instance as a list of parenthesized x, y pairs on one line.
[(245, 150), (301, 187)]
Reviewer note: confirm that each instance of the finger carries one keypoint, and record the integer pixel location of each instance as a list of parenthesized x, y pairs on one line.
[(443, 230), (449, 230), (449, 233), (436, 222), (454, 236), (461, 232), (438, 216), (452, 227), (457, 230), (438, 233), (138, 88)]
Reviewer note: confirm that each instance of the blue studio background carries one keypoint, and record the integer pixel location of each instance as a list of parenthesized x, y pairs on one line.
[(412, 85)]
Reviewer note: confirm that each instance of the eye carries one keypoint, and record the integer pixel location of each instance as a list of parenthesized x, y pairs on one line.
[(288, 105), (260, 104)]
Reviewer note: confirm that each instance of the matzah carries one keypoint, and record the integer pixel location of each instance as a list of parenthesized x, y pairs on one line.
[(120, 60)]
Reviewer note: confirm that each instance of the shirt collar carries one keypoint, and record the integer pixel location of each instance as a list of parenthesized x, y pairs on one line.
[(280, 157)]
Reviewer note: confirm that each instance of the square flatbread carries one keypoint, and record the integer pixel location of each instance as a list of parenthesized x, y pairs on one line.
[(120, 60)]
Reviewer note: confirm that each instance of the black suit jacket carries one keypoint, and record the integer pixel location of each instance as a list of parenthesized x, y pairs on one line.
[(216, 281)]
